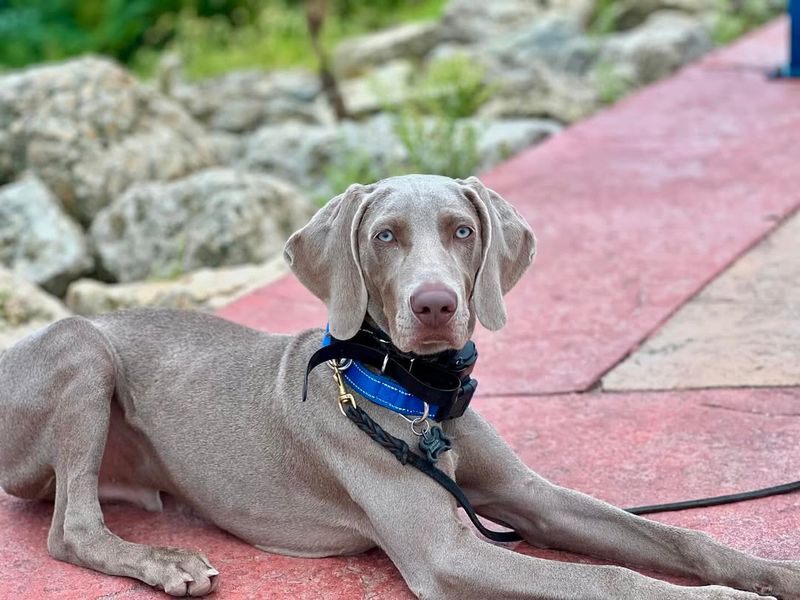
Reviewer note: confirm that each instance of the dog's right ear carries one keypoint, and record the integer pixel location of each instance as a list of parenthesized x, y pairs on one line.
[(324, 257)]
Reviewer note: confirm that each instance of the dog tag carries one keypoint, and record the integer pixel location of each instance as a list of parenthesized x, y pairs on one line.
[(433, 442)]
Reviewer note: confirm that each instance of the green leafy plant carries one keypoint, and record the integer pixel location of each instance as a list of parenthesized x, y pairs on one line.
[(611, 86), (736, 17)]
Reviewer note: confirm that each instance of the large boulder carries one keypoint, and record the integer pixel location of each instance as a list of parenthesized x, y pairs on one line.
[(305, 153), (542, 92), (473, 22), (409, 41), (499, 140), (24, 308), (242, 101), (554, 40), (210, 219), (89, 130), (37, 239), (206, 289), (666, 41)]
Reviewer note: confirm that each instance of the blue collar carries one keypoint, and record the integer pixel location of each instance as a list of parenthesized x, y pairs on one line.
[(381, 390)]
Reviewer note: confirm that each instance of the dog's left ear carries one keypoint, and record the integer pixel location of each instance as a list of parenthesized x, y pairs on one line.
[(324, 256), (509, 247)]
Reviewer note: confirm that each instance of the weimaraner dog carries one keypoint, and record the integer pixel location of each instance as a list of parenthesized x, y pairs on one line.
[(128, 405)]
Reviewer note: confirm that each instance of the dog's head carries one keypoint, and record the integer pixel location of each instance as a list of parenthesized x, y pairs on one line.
[(421, 255)]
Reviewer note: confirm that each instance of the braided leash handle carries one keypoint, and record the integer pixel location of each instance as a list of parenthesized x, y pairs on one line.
[(403, 453)]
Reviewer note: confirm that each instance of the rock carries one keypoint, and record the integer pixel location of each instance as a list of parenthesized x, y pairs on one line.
[(475, 22), (24, 308), (384, 86), (499, 140), (544, 93), (741, 330), (89, 130), (412, 40), (242, 101), (213, 218), (37, 239), (554, 40), (666, 41), (206, 289), (627, 14), (228, 147), (303, 153)]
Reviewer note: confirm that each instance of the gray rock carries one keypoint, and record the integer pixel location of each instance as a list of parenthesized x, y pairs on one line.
[(242, 101), (499, 140), (628, 14), (555, 40), (213, 218), (89, 130), (24, 308), (410, 41), (37, 239), (475, 22), (385, 86), (542, 92), (205, 289), (303, 153), (666, 41)]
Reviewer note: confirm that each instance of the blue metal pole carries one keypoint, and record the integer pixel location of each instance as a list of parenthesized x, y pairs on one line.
[(792, 68), (794, 38)]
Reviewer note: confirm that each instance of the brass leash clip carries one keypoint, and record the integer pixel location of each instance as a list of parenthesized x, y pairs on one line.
[(344, 396)]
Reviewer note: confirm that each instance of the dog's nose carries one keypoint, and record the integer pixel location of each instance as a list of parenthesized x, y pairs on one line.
[(434, 305)]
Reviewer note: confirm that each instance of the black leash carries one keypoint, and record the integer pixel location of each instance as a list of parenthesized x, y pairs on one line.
[(406, 456), (445, 381), (716, 500)]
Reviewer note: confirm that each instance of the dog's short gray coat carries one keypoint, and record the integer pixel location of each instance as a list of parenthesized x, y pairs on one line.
[(128, 405)]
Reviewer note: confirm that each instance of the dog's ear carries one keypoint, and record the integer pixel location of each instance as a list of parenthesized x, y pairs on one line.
[(509, 247), (324, 256)]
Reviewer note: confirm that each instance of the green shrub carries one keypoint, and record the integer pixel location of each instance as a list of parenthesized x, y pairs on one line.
[(611, 86), (736, 17)]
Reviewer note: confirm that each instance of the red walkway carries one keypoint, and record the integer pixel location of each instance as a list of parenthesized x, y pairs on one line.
[(635, 210)]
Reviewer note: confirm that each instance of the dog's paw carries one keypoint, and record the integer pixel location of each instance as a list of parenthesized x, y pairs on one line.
[(783, 579), (720, 592), (180, 572)]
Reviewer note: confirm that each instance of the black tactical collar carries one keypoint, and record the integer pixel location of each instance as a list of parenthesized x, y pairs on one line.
[(442, 380)]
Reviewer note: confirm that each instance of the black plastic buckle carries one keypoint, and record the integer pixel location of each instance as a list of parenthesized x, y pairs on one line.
[(459, 406)]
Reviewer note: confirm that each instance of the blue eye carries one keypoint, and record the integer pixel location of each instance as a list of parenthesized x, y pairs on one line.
[(385, 236), (463, 232)]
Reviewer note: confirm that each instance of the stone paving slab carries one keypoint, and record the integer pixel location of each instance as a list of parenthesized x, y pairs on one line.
[(625, 448), (743, 329), (635, 209)]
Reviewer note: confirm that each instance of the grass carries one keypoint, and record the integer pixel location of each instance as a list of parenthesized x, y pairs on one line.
[(277, 37)]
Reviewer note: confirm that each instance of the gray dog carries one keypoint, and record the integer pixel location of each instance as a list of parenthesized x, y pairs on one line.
[(128, 405)]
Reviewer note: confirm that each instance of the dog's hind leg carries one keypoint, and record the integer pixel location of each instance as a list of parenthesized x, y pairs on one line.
[(70, 400)]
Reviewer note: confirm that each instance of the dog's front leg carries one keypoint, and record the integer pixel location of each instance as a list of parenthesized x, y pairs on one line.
[(502, 488), (416, 523)]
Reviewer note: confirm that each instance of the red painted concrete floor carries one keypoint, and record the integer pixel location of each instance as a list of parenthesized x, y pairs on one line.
[(629, 449), (635, 210)]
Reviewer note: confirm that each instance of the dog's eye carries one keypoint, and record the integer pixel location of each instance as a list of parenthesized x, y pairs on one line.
[(463, 232), (385, 236)]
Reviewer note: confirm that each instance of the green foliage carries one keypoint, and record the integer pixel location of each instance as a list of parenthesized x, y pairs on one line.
[(44, 30), (451, 87), (216, 35), (430, 125), (438, 145), (736, 17), (605, 17), (611, 86)]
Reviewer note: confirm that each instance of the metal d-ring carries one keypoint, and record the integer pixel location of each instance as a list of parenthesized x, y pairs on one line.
[(421, 420), (340, 363)]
